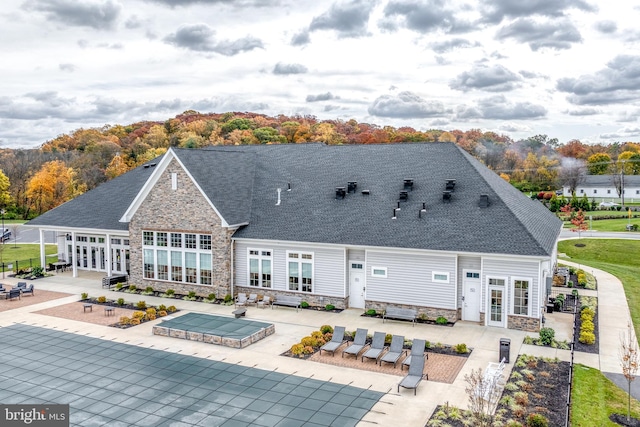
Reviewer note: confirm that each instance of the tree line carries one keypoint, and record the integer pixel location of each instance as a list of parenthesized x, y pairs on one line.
[(33, 181)]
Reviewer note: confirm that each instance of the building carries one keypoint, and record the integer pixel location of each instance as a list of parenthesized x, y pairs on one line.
[(364, 226), (603, 188)]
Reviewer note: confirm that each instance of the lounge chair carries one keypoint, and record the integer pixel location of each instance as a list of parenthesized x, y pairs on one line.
[(27, 290), (415, 375), (266, 300), (417, 349), (376, 348), (21, 285), (253, 299), (395, 350), (241, 299), (337, 339), (358, 343)]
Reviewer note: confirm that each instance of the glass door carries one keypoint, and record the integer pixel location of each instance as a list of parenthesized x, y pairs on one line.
[(496, 307)]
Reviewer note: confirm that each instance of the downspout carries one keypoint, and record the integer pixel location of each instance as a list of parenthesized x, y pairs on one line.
[(233, 266), (42, 251)]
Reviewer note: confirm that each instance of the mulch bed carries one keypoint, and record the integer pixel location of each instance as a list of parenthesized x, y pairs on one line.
[(546, 386), (622, 420), (423, 321), (587, 348), (76, 311), (26, 300)]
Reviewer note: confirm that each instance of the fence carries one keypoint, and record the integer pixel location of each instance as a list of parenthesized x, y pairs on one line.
[(24, 264), (567, 421)]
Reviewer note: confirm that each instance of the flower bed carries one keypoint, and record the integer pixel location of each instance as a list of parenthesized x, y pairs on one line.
[(422, 318), (142, 312)]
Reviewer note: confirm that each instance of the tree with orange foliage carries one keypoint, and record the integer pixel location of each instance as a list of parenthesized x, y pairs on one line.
[(51, 186), (116, 167)]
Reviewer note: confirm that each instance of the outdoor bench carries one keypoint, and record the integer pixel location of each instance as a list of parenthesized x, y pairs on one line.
[(109, 281), (400, 313), (287, 300)]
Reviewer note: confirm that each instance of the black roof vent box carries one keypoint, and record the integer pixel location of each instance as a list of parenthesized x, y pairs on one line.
[(404, 196), (450, 185), (484, 201), (408, 184), (446, 196), (341, 192), (351, 186)]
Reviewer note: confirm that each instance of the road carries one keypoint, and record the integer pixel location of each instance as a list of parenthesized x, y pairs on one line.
[(568, 234), (22, 234)]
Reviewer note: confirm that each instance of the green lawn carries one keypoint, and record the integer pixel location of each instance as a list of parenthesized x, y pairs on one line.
[(594, 397), (21, 254), (616, 256)]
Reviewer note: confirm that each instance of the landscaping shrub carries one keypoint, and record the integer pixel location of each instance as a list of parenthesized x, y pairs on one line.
[(211, 297), (138, 315), (441, 320), (304, 304), (84, 295), (537, 420), (171, 309), (587, 326), (329, 307), (125, 320), (297, 349), (119, 286), (120, 301), (135, 321), (102, 299), (309, 341), (547, 335), (587, 337), (162, 307), (141, 305), (371, 312), (326, 328), (170, 292), (162, 313), (228, 298), (461, 348), (132, 288)]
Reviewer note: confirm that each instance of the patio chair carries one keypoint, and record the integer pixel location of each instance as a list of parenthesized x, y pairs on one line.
[(27, 290), (2, 288), (266, 300), (358, 343), (395, 350), (337, 339), (253, 299), (415, 375), (417, 349), (241, 299), (376, 348), (21, 285)]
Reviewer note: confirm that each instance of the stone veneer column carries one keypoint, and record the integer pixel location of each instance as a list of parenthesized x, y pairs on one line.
[(184, 210)]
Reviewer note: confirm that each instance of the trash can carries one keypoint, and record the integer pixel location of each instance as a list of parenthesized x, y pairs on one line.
[(505, 346)]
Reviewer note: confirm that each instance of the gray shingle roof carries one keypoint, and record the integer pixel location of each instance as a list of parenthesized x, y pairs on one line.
[(607, 181), (242, 183), (100, 208)]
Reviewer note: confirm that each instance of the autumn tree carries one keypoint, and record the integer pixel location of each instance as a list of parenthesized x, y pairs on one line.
[(52, 185), (598, 164), (116, 167), (573, 148), (629, 361), (5, 196), (579, 223), (629, 163)]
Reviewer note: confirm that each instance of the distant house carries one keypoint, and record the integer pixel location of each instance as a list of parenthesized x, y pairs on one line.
[(603, 187), (358, 226)]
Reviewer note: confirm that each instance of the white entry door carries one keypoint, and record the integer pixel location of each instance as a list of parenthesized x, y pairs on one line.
[(471, 296), (356, 285)]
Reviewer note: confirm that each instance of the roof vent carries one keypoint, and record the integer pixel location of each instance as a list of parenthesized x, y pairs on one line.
[(395, 216), (351, 186), (408, 184), (423, 210), (341, 192), (365, 192), (446, 196), (288, 186), (484, 201), (152, 165), (146, 166), (450, 185), (404, 195)]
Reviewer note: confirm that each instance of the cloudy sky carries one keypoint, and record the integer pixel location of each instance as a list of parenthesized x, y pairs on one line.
[(565, 68)]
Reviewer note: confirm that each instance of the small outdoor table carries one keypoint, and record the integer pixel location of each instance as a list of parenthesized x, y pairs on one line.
[(109, 311), (87, 306), (239, 312)]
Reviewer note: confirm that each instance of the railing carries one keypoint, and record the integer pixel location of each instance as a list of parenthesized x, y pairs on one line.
[(567, 421)]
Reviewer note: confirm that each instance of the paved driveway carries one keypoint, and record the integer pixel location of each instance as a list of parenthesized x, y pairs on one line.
[(115, 384)]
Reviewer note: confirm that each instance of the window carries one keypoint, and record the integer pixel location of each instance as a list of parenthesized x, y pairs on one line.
[(357, 266), (595, 191), (440, 277), (116, 241), (187, 261), (471, 275), (92, 239), (379, 272), (637, 191), (300, 271), (81, 238), (260, 268), (147, 238), (148, 264), (496, 282), (521, 297), (581, 191), (608, 191)]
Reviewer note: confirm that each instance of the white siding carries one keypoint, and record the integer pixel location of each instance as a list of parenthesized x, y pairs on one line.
[(409, 279), (328, 267), (466, 263), (510, 269)]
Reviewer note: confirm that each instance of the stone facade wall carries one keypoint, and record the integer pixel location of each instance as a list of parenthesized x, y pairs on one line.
[(312, 299), (523, 323), (183, 210), (431, 312)]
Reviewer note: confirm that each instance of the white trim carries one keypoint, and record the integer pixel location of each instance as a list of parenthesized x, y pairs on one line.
[(301, 261), (174, 181), (260, 257), (374, 274), (443, 273), (512, 287), (505, 296)]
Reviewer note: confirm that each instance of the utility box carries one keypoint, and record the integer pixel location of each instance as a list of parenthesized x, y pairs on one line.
[(505, 346)]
